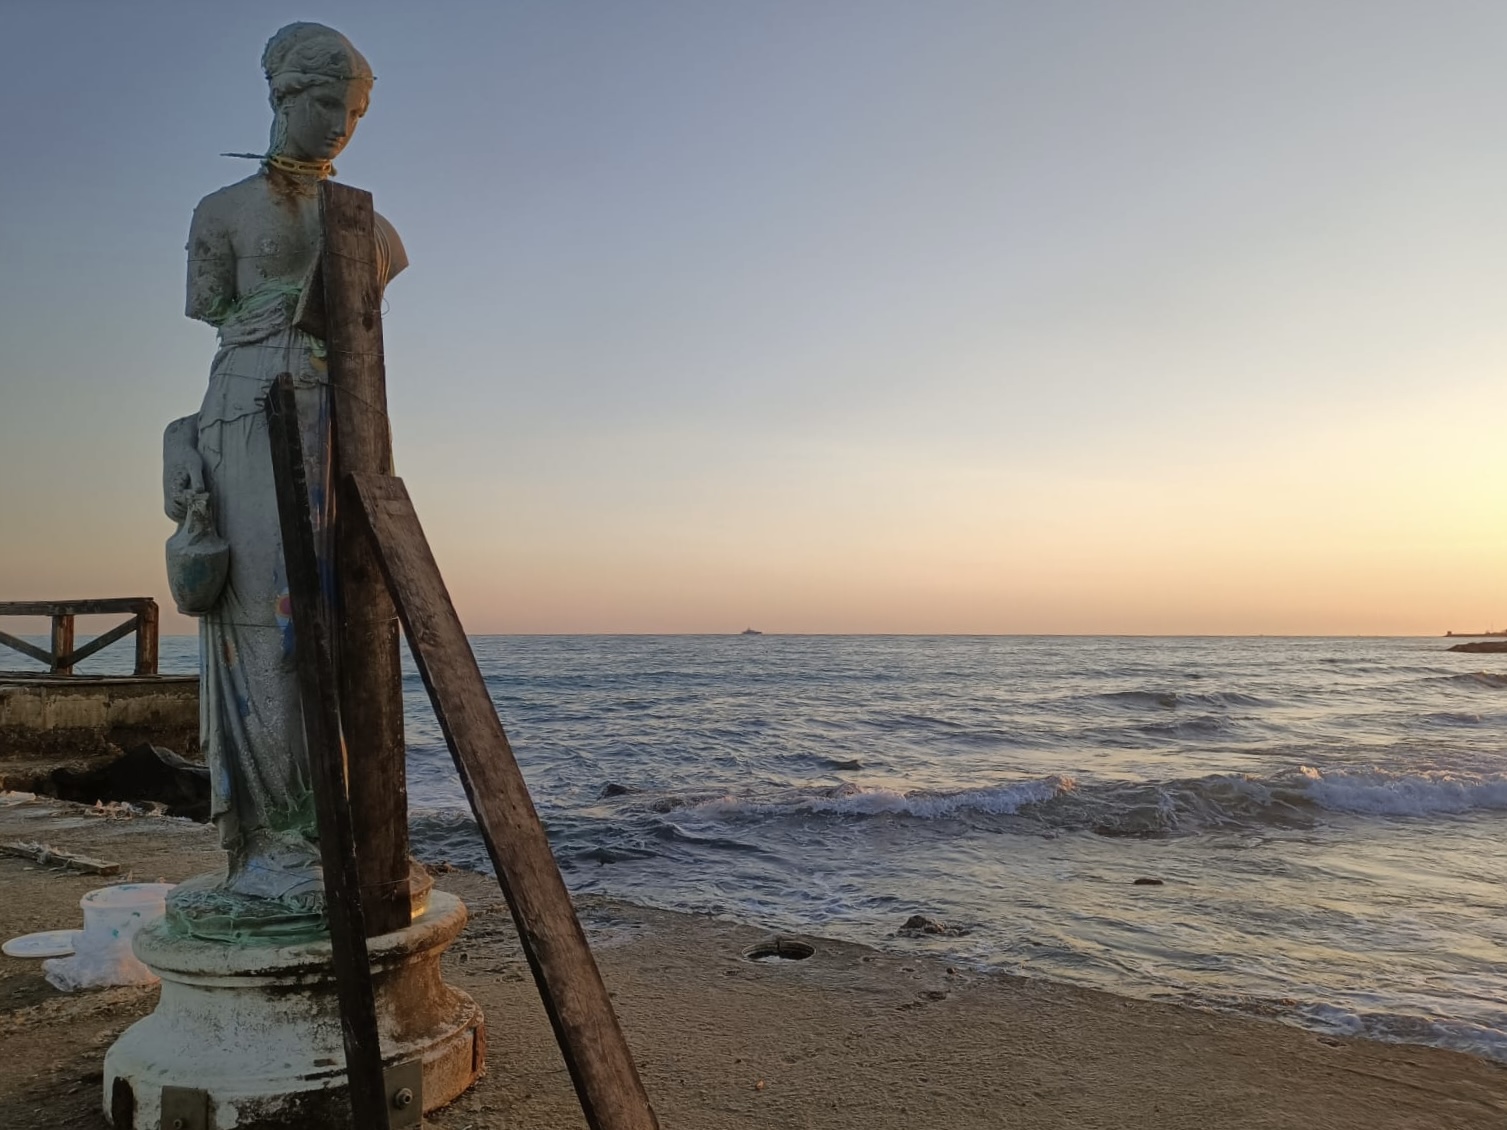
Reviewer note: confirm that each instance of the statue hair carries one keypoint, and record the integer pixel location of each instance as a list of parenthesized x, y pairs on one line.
[(305, 55)]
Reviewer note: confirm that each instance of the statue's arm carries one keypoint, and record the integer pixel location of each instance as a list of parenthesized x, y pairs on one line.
[(182, 466), (211, 264)]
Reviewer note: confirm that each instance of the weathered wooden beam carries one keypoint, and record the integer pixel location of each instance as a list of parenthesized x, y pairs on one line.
[(92, 607), (146, 639), (99, 643), (366, 628), (600, 1062), (29, 650), (62, 643), (48, 855), (327, 766)]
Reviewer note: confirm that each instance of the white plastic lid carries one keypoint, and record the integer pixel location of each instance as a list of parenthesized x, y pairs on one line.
[(47, 943)]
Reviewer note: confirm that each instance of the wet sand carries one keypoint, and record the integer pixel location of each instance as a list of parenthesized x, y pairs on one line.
[(848, 1038)]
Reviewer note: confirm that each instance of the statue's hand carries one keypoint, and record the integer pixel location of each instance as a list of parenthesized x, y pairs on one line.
[(182, 466), (176, 493)]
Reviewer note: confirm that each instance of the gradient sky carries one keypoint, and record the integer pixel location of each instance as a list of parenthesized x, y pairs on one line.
[(1144, 317)]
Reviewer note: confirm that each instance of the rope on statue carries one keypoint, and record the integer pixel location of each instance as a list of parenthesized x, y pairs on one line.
[(320, 169)]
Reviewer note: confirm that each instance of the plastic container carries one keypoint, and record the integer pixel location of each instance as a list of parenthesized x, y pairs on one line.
[(102, 952)]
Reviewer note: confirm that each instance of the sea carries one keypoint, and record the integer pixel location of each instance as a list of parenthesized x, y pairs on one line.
[(1308, 829)]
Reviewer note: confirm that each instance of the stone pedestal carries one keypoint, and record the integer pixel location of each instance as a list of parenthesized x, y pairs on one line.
[(257, 1028)]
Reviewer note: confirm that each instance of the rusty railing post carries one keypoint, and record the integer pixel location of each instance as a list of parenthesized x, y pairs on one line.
[(62, 642), (146, 638)]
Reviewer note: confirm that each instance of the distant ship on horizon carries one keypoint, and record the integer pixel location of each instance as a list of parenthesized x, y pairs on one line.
[(750, 632)]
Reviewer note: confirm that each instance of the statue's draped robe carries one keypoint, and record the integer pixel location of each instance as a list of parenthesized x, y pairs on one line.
[(251, 726)]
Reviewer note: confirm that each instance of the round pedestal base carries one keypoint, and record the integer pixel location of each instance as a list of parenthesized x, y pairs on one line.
[(257, 1028)]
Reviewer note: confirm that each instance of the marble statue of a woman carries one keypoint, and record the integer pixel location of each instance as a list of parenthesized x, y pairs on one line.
[(251, 248)]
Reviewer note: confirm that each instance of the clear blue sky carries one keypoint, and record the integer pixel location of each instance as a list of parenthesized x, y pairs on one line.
[(824, 316)]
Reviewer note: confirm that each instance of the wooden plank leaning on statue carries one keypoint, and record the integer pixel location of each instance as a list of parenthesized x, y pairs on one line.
[(600, 1063), (327, 767), (366, 628)]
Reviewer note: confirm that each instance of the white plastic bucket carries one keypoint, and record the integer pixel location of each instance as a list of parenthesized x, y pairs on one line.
[(102, 954)]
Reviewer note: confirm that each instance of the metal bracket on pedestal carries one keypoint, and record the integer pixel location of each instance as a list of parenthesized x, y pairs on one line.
[(185, 1108), (404, 1083)]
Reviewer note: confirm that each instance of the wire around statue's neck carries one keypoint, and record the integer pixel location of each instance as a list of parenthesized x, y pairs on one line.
[(320, 170)]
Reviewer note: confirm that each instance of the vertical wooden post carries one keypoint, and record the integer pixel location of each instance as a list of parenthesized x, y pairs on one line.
[(62, 642), (366, 628), (327, 766), (146, 638)]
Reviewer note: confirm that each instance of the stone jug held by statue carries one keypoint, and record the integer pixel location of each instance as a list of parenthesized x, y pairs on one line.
[(198, 558)]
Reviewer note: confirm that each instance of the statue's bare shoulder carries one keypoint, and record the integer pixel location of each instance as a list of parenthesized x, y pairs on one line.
[(211, 250), (232, 196), (215, 215)]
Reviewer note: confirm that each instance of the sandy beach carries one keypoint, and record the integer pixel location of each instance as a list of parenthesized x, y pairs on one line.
[(847, 1038)]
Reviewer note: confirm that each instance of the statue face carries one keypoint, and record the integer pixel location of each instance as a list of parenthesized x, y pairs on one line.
[(320, 120)]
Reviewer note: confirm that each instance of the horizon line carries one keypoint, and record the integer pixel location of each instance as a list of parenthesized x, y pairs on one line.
[(984, 635)]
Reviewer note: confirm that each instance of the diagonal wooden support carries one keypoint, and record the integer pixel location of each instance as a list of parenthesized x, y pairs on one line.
[(600, 1063), (98, 643), (327, 767), (31, 651)]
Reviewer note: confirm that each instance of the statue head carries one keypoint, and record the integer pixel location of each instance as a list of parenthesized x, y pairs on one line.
[(319, 85)]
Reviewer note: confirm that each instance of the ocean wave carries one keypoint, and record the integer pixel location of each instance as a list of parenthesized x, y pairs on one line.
[(1487, 679), (1293, 799), (635, 825), (1378, 793), (932, 720), (947, 731), (1178, 807), (1174, 700), (602, 855), (1488, 1040), (673, 833), (1486, 1036), (1203, 726), (856, 800), (445, 835), (1451, 718)]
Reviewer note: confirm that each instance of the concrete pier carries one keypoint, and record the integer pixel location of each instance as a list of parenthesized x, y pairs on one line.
[(77, 722)]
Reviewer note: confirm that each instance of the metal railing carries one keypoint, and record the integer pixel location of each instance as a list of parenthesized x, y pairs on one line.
[(63, 656)]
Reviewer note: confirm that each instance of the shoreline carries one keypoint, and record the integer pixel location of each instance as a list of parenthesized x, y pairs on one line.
[(851, 1037)]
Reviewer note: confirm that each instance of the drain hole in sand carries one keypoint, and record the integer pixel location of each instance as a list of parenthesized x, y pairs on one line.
[(779, 949)]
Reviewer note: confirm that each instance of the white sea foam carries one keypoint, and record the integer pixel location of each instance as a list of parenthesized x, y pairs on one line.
[(1484, 1039), (855, 800), (1414, 794)]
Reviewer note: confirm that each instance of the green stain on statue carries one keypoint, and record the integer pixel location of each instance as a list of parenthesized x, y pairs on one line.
[(298, 816)]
